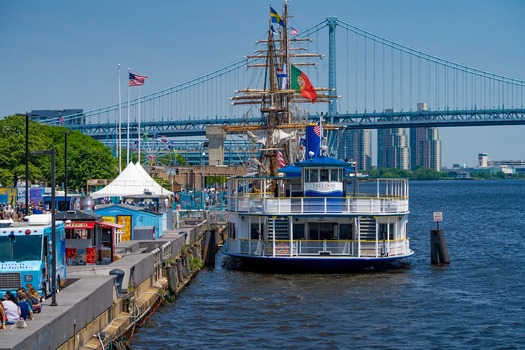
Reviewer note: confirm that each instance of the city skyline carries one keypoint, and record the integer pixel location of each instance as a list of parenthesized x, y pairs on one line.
[(60, 54)]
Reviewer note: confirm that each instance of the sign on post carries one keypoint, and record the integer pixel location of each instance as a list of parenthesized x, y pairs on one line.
[(438, 217)]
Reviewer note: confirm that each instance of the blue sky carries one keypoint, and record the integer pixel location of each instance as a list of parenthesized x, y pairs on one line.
[(63, 54)]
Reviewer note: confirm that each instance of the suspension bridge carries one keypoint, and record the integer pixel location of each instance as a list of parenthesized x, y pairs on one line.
[(379, 82)]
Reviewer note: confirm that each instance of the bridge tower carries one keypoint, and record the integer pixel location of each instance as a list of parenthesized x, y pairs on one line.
[(332, 106), (216, 136)]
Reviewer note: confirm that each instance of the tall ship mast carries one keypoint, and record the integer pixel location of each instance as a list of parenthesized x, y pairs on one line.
[(285, 88)]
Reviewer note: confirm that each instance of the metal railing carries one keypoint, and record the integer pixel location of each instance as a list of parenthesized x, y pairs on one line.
[(340, 248), (315, 205)]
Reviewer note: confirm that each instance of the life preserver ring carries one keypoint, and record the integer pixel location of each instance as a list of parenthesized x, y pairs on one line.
[(282, 249)]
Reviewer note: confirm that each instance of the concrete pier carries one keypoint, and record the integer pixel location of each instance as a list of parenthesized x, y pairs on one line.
[(91, 312)]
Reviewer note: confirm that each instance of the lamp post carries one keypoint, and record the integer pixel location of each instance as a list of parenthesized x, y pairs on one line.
[(27, 163), (26, 115), (53, 225)]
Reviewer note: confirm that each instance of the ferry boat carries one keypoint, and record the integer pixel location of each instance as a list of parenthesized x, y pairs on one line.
[(316, 214)]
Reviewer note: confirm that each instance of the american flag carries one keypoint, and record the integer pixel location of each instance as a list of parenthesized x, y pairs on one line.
[(294, 31), (280, 159), (136, 80), (317, 130)]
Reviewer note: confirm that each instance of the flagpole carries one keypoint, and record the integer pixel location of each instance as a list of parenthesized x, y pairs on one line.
[(119, 128), (127, 138), (139, 126)]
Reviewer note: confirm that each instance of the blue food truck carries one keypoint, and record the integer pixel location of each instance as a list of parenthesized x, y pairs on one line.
[(26, 254)]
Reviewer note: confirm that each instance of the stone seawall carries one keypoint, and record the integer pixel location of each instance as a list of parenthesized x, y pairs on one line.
[(94, 309)]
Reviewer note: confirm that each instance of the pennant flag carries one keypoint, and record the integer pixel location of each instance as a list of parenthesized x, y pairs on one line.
[(280, 159), (136, 80), (280, 73), (273, 30), (293, 31), (284, 77), (301, 83), (276, 18)]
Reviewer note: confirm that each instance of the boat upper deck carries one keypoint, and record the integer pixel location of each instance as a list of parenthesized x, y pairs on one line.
[(285, 196)]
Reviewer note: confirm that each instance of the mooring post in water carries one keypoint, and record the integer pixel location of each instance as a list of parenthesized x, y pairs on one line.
[(438, 243), (209, 248)]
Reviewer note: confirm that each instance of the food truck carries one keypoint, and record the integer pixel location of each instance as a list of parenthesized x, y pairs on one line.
[(26, 254)]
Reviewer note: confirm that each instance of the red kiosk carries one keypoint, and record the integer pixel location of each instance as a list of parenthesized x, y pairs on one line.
[(89, 240)]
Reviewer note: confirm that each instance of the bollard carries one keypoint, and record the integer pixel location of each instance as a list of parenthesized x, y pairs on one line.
[(180, 270), (208, 250), (120, 278), (438, 247), (172, 278)]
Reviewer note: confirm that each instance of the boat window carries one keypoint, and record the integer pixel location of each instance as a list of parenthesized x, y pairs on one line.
[(324, 175), (335, 175), (298, 231), (255, 232), (345, 231), (314, 175), (386, 232), (321, 230), (231, 230)]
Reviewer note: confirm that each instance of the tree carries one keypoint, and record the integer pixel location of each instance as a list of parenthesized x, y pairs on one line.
[(86, 157), (422, 173)]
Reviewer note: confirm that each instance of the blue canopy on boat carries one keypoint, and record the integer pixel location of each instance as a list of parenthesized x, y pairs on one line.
[(324, 162), (290, 171)]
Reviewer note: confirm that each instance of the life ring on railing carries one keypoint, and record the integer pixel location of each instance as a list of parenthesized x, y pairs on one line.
[(282, 249)]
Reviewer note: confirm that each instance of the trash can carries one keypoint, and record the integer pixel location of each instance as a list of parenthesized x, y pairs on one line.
[(120, 277)]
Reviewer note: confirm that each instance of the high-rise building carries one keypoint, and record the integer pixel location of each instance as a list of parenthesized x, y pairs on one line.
[(356, 145), (392, 148), (425, 146)]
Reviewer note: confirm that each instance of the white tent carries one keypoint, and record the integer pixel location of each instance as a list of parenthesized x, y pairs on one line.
[(131, 182)]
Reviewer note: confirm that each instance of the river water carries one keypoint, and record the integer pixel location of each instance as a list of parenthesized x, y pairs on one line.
[(476, 302)]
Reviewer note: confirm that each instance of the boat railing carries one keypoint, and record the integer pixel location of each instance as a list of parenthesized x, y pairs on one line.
[(342, 248), (315, 205)]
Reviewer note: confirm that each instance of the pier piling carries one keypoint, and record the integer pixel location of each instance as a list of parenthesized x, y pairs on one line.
[(438, 247), (171, 273), (209, 248)]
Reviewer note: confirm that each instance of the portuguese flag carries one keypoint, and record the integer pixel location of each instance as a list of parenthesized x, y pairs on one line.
[(301, 83)]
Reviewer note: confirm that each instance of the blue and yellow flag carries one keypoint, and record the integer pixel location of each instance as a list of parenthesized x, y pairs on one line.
[(276, 18)]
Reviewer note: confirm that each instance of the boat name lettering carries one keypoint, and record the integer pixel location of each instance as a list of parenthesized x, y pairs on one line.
[(324, 185)]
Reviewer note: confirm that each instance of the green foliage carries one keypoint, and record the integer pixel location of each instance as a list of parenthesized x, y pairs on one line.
[(426, 174), (418, 174), (86, 157), (388, 173), (196, 263), (6, 177), (219, 180), (181, 160)]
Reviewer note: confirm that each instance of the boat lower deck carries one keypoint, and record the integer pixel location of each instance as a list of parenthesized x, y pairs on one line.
[(312, 263)]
